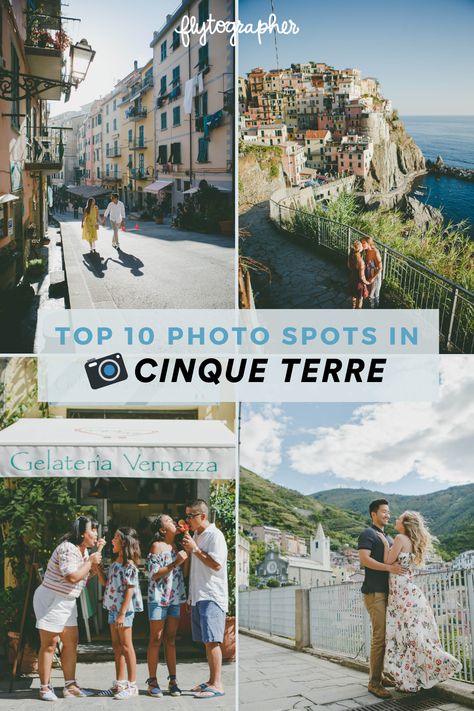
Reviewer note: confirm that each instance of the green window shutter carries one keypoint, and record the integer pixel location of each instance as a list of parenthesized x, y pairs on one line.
[(162, 154), (176, 116), (176, 75), (203, 11), (203, 144), (203, 57), (163, 85), (163, 121), (176, 153), (163, 51)]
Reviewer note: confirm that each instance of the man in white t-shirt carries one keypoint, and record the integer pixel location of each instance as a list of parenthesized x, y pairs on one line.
[(208, 594), (116, 211)]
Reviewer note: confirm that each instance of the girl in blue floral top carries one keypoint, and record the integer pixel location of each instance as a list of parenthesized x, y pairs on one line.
[(122, 598), (166, 567)]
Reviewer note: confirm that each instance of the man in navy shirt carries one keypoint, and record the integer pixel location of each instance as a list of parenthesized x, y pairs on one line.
[(375, 589)]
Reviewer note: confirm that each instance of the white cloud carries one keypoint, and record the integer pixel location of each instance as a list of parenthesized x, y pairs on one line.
[(384, 442), (262, 435)]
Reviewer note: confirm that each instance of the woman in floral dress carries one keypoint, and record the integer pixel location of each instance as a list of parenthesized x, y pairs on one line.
[(166, 567), (413, 652)]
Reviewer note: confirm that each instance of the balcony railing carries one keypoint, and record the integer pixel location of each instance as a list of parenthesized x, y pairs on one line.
[(113, 152), (338, 622), (137, 144), (45, 150), (139, 174), (417, 285), (45, 43), (113, 175), (133, 113)]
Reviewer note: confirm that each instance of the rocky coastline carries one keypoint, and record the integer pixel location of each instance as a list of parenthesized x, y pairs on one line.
[(439, 167)]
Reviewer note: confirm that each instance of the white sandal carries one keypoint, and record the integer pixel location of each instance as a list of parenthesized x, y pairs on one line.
[(46, 693), (68, 692)]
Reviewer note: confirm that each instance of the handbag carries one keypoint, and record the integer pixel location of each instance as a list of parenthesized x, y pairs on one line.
[(362, 289)]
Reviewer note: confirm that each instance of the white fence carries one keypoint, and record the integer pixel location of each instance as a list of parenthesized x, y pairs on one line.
[(272, 611), (338, 621)]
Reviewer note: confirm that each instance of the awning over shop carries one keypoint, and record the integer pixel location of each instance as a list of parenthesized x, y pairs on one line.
[(157, 186), (223, 187), (8, 197), (193, 449), (88, 191)]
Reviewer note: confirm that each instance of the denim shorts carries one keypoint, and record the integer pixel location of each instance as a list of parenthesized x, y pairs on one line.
[(207, 621), (128, 622), (161, 612)]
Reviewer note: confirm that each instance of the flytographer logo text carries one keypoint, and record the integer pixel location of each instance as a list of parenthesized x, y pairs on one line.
[(190, 26)]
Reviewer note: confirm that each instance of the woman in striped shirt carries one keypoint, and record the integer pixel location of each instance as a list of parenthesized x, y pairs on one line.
[(55, 607)]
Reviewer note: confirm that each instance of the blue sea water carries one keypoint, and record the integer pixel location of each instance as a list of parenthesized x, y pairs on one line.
[(451, 137)]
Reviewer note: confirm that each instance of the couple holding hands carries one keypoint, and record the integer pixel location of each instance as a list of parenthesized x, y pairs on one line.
[(90, 220)]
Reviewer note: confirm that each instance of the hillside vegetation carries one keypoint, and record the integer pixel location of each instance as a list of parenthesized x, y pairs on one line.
[(263, 502), (449, 513)]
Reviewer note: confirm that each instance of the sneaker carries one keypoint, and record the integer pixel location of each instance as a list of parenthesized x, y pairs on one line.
[(173, 688), (127, 692), (77, 691), (46, 693), (114, 689), (154, 688)]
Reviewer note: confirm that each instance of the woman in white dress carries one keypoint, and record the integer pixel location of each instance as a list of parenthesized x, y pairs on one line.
[(413, 652)]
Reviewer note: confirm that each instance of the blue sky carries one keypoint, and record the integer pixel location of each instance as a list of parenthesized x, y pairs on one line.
[(422, 52), (407, 448), (119, 32)]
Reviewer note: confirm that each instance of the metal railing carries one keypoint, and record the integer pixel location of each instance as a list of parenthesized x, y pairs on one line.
[(338, 621), (46, 148), (406, 282), (271, 611)]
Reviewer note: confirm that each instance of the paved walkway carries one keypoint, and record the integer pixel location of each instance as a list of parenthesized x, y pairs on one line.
[(272, 678), (99, 675), (300, 277), (157, 267)]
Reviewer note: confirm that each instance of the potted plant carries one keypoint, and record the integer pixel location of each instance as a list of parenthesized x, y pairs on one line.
[(33, 516), (10, 622), (35, 267), (222, 500)]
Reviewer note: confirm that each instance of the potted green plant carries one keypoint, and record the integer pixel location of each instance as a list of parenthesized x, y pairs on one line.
[(35, 267)]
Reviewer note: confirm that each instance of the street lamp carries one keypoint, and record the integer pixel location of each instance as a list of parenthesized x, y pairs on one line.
[(81, 55)]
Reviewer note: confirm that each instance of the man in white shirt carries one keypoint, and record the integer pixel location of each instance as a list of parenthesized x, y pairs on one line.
[(116, 211), (208, 594)]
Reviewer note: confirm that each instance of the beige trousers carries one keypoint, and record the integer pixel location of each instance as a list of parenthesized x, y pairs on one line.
[(115, 228), (376, 605)]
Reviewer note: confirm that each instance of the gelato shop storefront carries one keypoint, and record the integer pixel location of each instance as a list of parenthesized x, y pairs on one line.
[(125, 471)]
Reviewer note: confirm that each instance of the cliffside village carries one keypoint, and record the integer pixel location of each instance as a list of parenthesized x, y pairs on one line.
[(326, 121), (289, 560)]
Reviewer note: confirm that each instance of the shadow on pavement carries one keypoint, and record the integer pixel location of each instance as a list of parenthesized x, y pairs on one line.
[(95, 264), (129, 261)]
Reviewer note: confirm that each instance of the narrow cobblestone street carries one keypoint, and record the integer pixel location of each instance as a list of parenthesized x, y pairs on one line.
[(99, 675), (300, 278), (157, 267), (272, 678)]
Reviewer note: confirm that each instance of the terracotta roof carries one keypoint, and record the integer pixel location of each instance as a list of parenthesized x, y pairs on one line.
[(316, 134)]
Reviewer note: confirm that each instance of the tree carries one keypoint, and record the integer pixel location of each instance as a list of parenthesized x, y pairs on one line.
[(222, 503)]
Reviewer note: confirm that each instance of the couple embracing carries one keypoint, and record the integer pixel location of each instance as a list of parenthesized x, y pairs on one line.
[(90, 220), (405, 651)]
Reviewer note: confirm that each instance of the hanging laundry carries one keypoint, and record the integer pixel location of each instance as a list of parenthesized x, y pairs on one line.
[(193, 86), (212, 121)]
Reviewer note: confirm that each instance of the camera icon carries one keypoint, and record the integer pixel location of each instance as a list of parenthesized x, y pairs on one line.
[(105, 371)]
